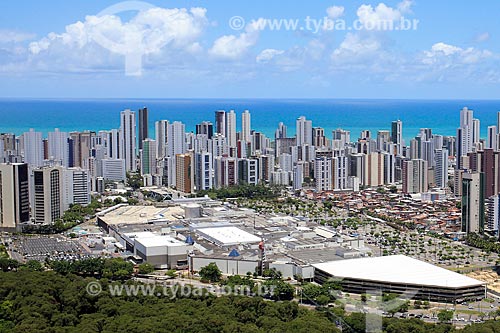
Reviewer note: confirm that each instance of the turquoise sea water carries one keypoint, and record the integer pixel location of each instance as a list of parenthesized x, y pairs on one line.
[(18, 115)]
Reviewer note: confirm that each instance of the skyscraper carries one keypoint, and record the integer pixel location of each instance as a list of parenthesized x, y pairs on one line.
[(414, 176), (14, 196), (176, 142), (281, 131), (226, 171), (231, 128), (148, 157), (476, 131), (48, 194), (298, 176), (75, 187), (82, 147), (473, 202), (318, 137), (206, 128), (184, 174), (33, 148), (323, 173), (441, 170), (340, 168), (220, 122), (464, 140), (58, 147), (161, 130), (303, 131), (248, 171), (492, 138), (374, 169), (397, 135), (143, 125), (246, 126), (203, 171), (128, 139), (382, 140), (340, 138)]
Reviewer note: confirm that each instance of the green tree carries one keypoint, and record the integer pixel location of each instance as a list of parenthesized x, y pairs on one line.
[(211, 273), (445, 316), (146, 268), (34, 266), (272, 273)]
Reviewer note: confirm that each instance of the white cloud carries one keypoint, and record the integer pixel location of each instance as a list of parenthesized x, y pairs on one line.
[(150, 30), (12, 36), (267, 55), (372, 39), (233, 47), (442, 53), (372, 17), (100, 42), (442, 48), (335, 12), (354, 45)]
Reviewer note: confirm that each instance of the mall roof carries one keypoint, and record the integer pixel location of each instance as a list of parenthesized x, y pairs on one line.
[(398, 269), (225, 236)]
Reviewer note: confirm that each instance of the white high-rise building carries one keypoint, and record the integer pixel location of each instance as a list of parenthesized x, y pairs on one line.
[(464, 141), (441, 170), (231, 128), (246, 126), (493, 214), (113, 169), (203, 171), (110, 143), (176, 139), (75, 187), (33, 148), (48, 203), (323, 173), (298, 176), (415, 176), (285, 162), (374, 167), (14, 194), (218, 145), (128, 139), (466, 117), (303, 131), (161, 130), (281, 131), (58, 147), (248, 171), (340, 172), (427, 152)]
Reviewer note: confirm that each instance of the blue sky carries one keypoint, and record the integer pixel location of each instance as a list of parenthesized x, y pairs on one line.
[(60, 49)]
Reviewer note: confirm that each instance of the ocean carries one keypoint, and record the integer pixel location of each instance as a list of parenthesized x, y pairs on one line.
[(19, 115)]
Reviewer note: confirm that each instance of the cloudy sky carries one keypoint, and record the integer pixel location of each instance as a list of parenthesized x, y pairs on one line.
[(270, 49)]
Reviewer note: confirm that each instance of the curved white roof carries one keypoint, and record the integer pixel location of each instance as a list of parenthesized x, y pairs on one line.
[(397, 269)]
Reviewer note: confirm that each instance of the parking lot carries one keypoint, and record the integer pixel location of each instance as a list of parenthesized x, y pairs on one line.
[(41, 248)]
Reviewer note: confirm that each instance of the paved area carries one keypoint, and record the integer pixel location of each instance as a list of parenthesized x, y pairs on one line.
[(41, 248)]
